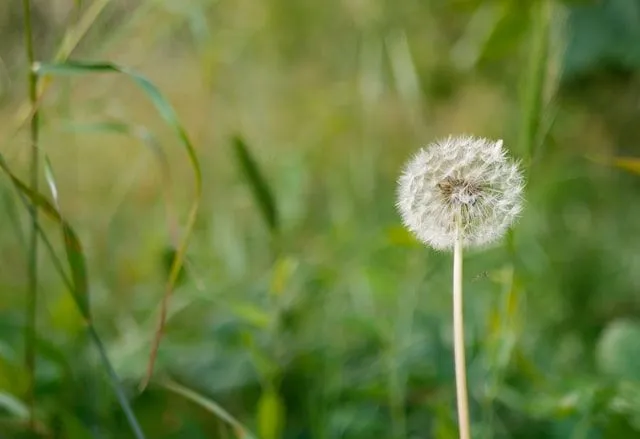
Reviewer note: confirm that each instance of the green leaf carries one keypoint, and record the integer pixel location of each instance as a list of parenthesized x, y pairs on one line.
[(534, 80), (166, 111), (271, 414), (258, 184), (80, 287), (240, 430), (73, 248)]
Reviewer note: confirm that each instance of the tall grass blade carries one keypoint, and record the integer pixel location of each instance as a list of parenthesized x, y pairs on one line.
[(261, 191), (32, 256), (72, 246), (72, 37), (79, 279), (534, 79), (168, 114)]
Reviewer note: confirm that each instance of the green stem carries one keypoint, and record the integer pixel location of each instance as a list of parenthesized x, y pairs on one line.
[(95, 338), (32, 258), (458, 339), (115, 383)]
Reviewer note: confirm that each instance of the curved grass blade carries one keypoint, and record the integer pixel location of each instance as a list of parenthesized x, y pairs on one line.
[(79, 284), (240, 430), (57, 263), (168, 114), (147, 138), (72, 246), (259, 187), (71, 241)]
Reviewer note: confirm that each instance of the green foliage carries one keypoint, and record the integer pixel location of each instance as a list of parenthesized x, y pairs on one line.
[(257, 183), (618, 351), (344, 331)]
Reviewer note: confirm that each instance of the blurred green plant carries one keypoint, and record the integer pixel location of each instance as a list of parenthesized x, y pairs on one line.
[(342, 332)]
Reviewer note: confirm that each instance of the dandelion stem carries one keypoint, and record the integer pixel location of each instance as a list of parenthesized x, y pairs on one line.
[(32, 259), (458, 338)]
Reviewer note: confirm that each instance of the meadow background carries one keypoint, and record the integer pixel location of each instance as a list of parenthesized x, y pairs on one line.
[(305, 311)]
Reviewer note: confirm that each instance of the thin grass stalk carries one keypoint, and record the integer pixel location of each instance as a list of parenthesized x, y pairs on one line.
[(458, 339), (114, 380), (534, 80), (32, 257)]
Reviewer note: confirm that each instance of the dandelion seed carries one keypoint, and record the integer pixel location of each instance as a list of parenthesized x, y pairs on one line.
[(465, 178)]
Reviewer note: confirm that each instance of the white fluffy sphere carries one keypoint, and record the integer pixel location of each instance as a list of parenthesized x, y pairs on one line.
[(464, 179)]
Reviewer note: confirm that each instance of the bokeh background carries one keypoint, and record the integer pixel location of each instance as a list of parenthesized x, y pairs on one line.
[(305, 311)]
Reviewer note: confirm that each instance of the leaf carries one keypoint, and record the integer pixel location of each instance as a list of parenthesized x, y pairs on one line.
[(166, 111), (72, 37), (258, 184), (535, 80), (75, 255), (271, 414), (73, 248), (240, 430), (80, 287)]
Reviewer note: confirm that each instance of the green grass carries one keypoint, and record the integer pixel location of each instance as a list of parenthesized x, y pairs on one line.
[(303, 309)]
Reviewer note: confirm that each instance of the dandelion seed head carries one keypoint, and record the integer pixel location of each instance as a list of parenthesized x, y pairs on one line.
[(465, 179)]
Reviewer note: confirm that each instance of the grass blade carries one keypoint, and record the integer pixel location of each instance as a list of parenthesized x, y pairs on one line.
[(261, 191), (32, 256), (534, 80), (240, 430), (166, 111), (79, 284), (72, 246), (70, 41)]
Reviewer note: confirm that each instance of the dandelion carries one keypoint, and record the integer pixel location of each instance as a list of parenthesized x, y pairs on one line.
[(460, 179), (460, 192)]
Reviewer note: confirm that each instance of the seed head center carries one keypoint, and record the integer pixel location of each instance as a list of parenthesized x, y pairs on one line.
[(459, 191)]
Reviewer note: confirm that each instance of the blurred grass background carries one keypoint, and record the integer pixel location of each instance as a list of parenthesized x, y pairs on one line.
[(329, 320)]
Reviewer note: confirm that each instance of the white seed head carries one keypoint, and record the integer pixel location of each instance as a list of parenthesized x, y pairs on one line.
[(465, 179)]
